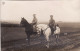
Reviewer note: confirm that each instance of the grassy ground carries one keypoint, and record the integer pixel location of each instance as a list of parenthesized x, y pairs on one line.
[(14, 39), (66, 43), (15, 33)]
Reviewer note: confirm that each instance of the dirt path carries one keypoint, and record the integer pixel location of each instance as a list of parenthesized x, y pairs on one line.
[(70, 42)]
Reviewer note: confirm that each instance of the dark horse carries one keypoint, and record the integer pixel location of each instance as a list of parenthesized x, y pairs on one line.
[(28, 28)]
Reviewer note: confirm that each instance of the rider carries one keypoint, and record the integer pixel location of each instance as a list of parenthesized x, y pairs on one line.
[(34, 23), (52, 24)]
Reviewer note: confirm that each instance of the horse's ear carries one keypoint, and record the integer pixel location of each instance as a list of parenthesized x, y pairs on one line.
[(22, 17)]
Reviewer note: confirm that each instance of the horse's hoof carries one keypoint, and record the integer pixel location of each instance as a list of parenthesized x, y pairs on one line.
[(47, 46), (26, 39)]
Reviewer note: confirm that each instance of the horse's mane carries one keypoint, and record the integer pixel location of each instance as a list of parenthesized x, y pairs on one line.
[(27, 25), (25, 20), (42, 26)]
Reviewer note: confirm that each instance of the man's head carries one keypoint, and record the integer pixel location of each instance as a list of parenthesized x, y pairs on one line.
[(34, 15), (51, 16)]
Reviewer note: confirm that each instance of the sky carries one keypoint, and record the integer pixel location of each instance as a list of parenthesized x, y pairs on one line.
[(62, 10)]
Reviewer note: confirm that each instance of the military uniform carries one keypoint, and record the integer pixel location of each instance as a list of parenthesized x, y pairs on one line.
[(34, 23), (52, 24)]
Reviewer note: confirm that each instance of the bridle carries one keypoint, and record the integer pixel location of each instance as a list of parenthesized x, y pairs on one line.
[(43, 30), (46, 29)]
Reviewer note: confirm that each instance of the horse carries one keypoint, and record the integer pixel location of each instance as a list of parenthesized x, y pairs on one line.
[(40, 28), (28, 28), (46, 31), (57, 33)]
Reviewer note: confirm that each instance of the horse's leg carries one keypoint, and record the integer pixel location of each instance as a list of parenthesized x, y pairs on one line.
[(47, 38), (28, 37), (48, 44), (57, 39), (41, 36)]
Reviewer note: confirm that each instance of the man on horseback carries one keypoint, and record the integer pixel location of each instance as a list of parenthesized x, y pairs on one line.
[(52, 24), (34, 23)]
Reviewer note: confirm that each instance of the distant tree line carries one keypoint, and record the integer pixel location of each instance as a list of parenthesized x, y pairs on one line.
[(10, 25)]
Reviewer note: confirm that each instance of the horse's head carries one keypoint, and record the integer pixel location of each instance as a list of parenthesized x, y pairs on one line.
[(23, 22), (41, 27), (38, 29)]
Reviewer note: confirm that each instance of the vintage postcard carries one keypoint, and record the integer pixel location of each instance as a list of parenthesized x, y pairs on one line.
[(40, 25)]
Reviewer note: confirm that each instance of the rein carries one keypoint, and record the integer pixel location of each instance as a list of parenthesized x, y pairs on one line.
[(46, 29)]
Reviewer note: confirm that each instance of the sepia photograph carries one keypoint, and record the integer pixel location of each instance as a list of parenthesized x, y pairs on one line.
[(40, 25)]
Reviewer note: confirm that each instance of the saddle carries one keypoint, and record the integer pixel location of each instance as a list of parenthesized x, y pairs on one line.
[(34, 28)]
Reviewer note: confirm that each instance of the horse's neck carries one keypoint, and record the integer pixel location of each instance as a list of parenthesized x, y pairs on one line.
[(27, 25), (42, 26)]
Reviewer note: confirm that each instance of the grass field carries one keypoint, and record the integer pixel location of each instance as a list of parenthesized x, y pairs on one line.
[(15, 33), (14, 39)]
